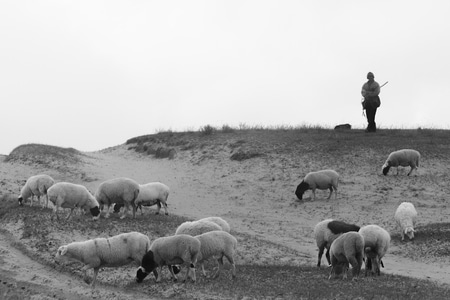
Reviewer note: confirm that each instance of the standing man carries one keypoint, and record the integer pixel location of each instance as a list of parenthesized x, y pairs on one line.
[(370, 91)]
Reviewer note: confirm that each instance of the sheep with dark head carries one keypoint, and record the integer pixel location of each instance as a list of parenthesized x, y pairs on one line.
[(322, 180)]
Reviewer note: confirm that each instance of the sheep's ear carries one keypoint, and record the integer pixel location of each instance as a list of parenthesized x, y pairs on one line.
[(62, 250)]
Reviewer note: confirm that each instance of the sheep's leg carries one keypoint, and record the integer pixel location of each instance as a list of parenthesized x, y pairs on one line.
[(158, 203), (71, 211), (356, 267), (314, 194), (319, 256), (174, 277), (331, 192), (94, 280), (192, 271), (31, 200)]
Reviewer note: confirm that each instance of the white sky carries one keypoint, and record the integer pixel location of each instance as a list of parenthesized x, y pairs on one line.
[(92, 74)]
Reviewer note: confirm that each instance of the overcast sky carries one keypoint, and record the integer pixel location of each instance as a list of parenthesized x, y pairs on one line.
[(92, 74)]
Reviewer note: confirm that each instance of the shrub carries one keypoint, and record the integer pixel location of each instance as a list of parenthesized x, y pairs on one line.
[(207, 130)]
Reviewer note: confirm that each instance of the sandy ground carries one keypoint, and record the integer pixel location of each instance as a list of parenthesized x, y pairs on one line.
[(256, 196)]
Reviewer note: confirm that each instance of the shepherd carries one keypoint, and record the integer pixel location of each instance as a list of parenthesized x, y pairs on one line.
[(370, 91)]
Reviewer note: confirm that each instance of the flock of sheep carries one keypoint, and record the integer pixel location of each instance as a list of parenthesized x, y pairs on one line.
[(197, 241), (348, 243), (192, 243)]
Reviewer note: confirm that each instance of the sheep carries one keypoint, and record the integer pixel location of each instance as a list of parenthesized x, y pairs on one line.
[(347, 248), (171, 250), (322, 180), (36, 186), (219, 221), (153, 193), (376, 244), (326, 231), (404, 216), (197, 227), (70, 195), (217, 243), (118, 190), (404, 158), (115, 251)]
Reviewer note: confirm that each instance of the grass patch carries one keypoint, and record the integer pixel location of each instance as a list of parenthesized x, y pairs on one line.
[(41, 236)]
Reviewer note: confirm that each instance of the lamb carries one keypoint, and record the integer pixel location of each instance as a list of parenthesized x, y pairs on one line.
[(347, 248), (404, 158), (197, 227), (217, 243), (404, 216), (171, 250), (325, 232), (70, 195), (322, 180), (115, 251), (376, 244), (118, 190), (36, 186)]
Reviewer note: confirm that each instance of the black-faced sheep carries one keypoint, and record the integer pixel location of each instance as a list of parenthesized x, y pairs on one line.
[(404, 158), (70, 195), (167, 251), (115, 251), (376, 244), (404, 216), (322, 180), (325, 232), (118, 190), (347, 248), (36, 186)]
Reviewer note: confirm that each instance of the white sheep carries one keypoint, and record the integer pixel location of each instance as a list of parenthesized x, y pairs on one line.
[(404, 158), (36, 186), (198, 227), (347, 248), (322, 180), (115, 251), (153, 193), (70, 195), (118, 190), (376, 244), (217, 244), (168, 251), (219, 221), (326, 231), (404, 216)]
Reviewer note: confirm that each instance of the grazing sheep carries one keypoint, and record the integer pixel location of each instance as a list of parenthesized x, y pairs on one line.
[(118, 190), (376, 244), (325, 232), (322, 180), (36, 186), (171, 250), (217, 243), (404, 216), (153, 193), (219, 221), (404, 158), (197, 227), (115, 251), (70, 195), (347, 248)]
